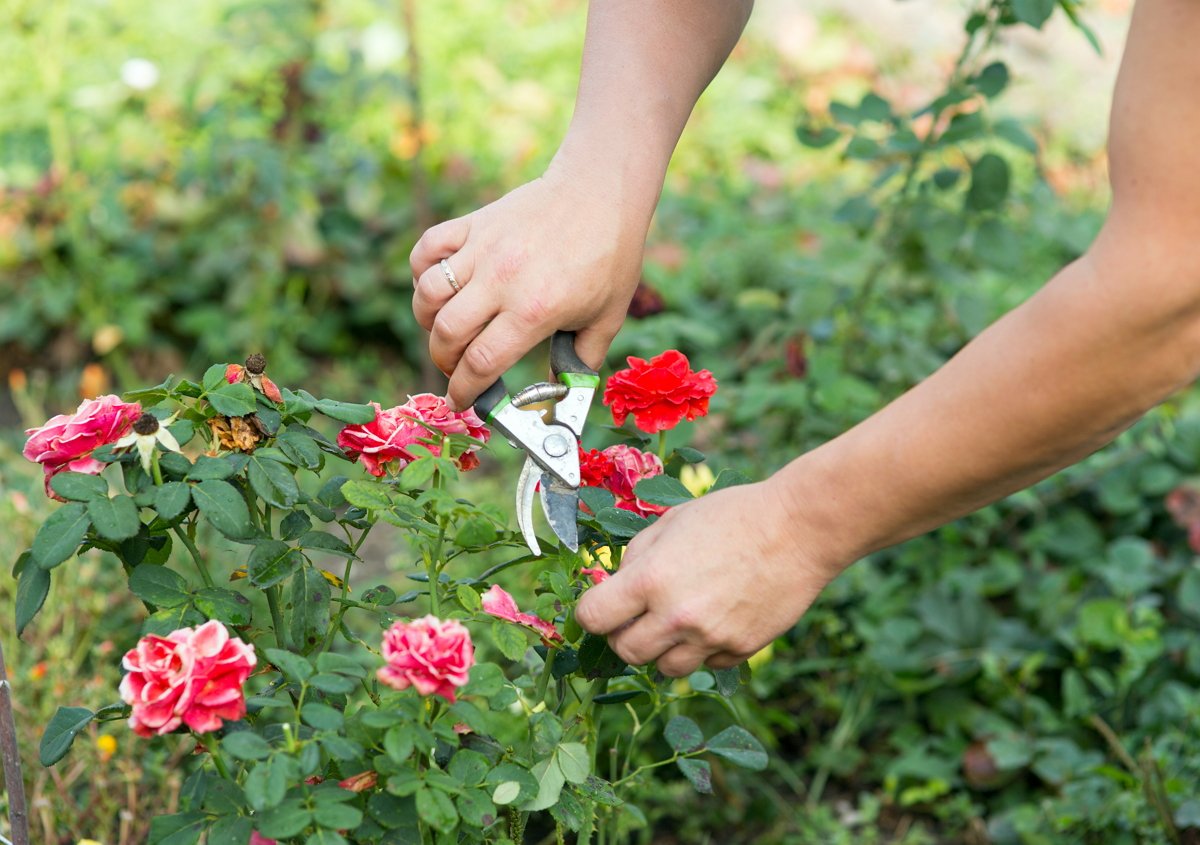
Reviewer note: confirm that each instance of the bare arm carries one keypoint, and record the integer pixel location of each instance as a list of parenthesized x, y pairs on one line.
[(565, 251), (1109, 337)]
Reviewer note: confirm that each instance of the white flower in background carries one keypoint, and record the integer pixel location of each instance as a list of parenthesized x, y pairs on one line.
[(383, 45), (139, 74), (147, 431)]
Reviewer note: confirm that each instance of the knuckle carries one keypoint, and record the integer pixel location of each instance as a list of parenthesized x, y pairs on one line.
[(685, 619), (534, 312), (480, 358), (587, 615), (443, 329)]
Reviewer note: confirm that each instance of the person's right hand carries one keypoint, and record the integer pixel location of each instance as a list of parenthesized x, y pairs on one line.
[(560, 253)]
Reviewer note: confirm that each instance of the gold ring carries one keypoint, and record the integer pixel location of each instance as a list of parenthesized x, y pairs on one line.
[(449, 274)]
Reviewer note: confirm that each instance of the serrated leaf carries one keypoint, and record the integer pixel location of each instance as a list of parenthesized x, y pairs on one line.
[(510, 640), (221, 504), (550, 785), (230, 830), (340, 664), (337, 816), (600, 791), (295, 524), (366, 494), (698, 773), (597, 660), (60, 535), (115, 518), (208, 468), (662, 490), (214, 377), (32, 589), (64, 726), (728, 680), (683, 735), (291, 664), (739, 746), (78, 486), (321, 716), (468, 598), (347, 412), (301, 449), (271, 562), (506, 792), (572, 758), (227, 606), (159, 586), (267, 783), (476, 808), (309, 618), (246, 745), (172, 499), (178, 829), (596, 498), (436, 809), (272, 482), (323, 541), (232, 400), (468, 767), (621, 524)]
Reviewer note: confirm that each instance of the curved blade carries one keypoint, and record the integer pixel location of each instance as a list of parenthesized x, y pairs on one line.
[(526, 487), (561, 505)]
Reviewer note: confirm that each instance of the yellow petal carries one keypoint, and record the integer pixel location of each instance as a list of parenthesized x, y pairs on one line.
[(331, 578), (238, 574), (697, 478), (602, 555)]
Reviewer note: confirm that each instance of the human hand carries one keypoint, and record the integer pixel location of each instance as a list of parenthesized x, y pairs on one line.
[(697, 587), (561, 252)]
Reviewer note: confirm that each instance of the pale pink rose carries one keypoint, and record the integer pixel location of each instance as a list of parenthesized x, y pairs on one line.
[(385, 443), (598, 575), (433, 656), (498, 603), (192, 677), (66, 441)]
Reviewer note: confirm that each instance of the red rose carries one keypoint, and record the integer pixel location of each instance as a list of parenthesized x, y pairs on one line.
[(660, 392), (387, 439), (434, 656), (66, 441), (618, 469), (192, 677)]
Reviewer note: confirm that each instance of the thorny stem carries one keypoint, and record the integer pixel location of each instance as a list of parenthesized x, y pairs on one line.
[(276, 615), (211, 744), (662, 446), (346, 604), (14, 781), (544, 679), (156, 472)]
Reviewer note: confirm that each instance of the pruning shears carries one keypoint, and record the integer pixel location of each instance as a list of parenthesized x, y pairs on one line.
[(551, 447)]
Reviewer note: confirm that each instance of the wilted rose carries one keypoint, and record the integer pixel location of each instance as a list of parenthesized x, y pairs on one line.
[(192, 676), (432, 655), (66, 441), (498, 603), (659, 393)]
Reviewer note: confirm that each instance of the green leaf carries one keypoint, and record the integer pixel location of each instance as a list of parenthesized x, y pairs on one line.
[(115, 518), (78, 486), (340, 664), (228, 606), (178, 829), (436, 809), (817, 137), (32, 589), (273, 483), (550, 785), (271, 562), (208, 468), (600, 791), (683, 735), (992, 79), (309, 620), (572, 758), (1034, 12), (597, 660), (698, 772), (662, 490), (294, 525), (468, 767), (596, 498), (337, 816), (64, 726), (510, 640), (476, 808), (183, 431), (346, 412), (280, 820), (398, 742), (267, 783), (619, 697), (291, 664), (172, 499), (214, 377), (738, 746), (621, 524), (989, 183), (368, 495), (246, 745), (232, 400), (323, 541), (321, 716), (301, 449), (159, 586), (333, 684), (60, 535), (506, 792), (224, 508), (230, 830), (468, 598), (486, 679)]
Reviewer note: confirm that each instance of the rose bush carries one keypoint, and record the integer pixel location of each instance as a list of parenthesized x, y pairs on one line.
[(330, 713)]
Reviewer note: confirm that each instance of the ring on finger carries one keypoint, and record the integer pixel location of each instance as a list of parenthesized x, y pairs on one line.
[(449, 274)]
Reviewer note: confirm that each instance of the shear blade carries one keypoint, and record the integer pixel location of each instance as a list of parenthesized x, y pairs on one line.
[(526, 487), (561, 506)]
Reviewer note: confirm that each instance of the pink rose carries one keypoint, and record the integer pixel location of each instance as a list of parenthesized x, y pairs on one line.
[(423, 419), (66, 441), (257, 838), (434, 656), (596, 574), (498, 603), (618, 469), (193, 677)]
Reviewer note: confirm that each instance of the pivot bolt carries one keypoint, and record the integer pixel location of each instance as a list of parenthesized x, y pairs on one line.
[(556, 445)]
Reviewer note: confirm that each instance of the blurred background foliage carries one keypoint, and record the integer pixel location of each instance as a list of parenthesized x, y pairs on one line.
[(864, 188)]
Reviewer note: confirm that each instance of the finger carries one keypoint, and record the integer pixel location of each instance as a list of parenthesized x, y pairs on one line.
[(643, 640), (682, 660), (724, 660), (489, 354), (438, 242), (607, 606), (592, 343), (460, 319), (434, 290)]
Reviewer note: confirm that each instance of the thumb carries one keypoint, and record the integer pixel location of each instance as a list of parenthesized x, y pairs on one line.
[(592, 343), (607, 606)]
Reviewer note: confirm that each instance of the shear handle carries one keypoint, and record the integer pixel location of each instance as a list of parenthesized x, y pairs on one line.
[(564, 359)]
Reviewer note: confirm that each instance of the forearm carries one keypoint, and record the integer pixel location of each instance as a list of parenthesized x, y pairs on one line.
[(645, 63), (1111, 336)]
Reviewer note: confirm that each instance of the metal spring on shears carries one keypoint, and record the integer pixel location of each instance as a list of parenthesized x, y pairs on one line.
[(543, 391)]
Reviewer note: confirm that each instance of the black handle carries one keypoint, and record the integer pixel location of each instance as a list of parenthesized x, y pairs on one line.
[(490, 398), (563, 358)]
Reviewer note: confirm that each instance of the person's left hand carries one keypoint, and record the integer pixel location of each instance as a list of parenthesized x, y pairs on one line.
[(712, 582)]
